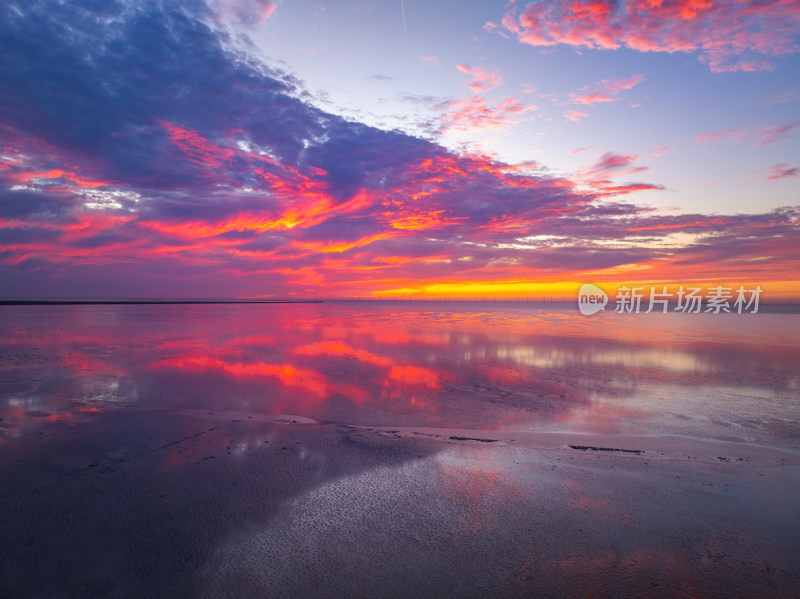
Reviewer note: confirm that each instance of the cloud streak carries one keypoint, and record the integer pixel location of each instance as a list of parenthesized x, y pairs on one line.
[(608, 90), (758, 136), (783, 171)]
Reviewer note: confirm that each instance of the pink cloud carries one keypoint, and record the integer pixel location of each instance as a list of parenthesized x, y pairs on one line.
[(774, 133), (593, 98), (575, 115), (198, 149), (492, 27), (610, 163), (476, 113), (781, 98), (659, 150), (760, 136), (482, 81), (608, 90), (720, 135), (606, 189), (247, 11), (600, 174), (730, 36), (783, 171)]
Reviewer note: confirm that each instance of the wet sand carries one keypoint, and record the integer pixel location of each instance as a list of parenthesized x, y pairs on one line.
[(285, 507)]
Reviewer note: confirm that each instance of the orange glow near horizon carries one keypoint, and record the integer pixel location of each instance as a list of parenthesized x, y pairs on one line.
[(567, 290)]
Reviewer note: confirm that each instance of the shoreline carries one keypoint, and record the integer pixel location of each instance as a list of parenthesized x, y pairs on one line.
[(625, 446), (643, 446)]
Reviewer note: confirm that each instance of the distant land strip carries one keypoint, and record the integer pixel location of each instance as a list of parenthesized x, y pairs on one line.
[(115, 302)]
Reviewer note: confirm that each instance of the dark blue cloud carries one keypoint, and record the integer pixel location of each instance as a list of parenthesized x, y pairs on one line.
[(94, 81)]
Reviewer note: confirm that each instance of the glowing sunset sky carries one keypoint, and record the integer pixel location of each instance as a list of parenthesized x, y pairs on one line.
[(249, 148)]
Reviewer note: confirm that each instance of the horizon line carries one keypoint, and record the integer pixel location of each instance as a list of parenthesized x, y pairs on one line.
[(312, 300)]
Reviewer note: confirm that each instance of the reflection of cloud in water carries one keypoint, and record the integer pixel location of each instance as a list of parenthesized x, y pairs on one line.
[(623, 356), (457, 365)]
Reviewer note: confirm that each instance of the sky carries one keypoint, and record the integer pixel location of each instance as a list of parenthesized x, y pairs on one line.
[(398, 148)]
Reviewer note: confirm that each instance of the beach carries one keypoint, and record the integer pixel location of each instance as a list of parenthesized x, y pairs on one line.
[(385, 450)]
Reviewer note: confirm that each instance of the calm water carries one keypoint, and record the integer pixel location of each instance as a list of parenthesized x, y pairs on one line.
[(484, 366), (229, 451)]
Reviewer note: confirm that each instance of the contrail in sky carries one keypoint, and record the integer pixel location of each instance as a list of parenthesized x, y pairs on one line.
[(403, 10)]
